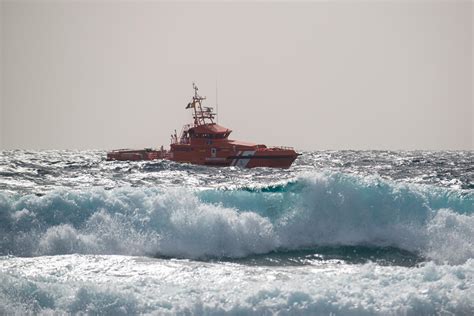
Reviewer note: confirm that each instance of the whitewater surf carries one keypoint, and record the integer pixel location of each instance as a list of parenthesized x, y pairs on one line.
[(349, 232)]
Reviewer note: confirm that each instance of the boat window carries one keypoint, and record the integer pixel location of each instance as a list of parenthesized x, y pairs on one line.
[(219, 136), (211, 136)]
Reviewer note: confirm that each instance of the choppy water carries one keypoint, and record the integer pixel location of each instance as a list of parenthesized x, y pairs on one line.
[(342, 232)]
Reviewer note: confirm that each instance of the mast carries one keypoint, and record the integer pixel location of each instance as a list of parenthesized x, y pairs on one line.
[(201, 116)]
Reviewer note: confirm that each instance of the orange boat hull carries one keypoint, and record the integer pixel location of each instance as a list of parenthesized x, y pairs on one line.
[(274, 158), (266, 157)]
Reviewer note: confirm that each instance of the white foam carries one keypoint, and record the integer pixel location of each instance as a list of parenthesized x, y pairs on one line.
[(124, 285), (450, 237)]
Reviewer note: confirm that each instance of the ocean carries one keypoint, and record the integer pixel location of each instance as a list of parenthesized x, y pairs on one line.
[(339, 233)]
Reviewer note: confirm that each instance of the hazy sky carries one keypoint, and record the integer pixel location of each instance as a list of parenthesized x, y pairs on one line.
[(313, 75)]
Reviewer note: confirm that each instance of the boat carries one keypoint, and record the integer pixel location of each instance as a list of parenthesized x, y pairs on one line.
[(205, 142)]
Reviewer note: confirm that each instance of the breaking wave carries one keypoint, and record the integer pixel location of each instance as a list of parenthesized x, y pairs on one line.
[(328, 209)]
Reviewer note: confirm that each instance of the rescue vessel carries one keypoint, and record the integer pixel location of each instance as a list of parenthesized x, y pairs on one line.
[(204, 142)]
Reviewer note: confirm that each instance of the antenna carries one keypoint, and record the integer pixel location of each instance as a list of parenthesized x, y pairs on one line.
[(195, 90), (217, 106)]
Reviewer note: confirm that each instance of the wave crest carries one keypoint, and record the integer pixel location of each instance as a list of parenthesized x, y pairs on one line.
[(317, 209)]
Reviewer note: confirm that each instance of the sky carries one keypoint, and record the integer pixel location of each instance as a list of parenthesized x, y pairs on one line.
[(388, 75)]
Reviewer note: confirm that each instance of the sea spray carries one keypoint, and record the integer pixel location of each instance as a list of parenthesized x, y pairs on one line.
[(313, 210)]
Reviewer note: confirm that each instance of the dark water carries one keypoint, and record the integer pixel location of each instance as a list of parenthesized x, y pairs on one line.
[(336, 254)]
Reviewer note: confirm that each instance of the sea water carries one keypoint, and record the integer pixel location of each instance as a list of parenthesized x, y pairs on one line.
[(339, 233)]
